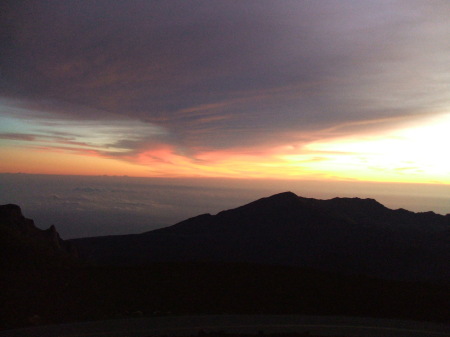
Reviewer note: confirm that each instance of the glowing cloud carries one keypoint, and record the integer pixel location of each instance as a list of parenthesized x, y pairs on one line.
[(248, 89), (413, 154)]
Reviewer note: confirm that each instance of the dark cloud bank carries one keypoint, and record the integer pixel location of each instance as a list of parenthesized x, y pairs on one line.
[(223, 74)]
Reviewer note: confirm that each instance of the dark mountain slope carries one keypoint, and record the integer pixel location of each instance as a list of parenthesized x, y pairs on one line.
[(42, 284), (350, 235)]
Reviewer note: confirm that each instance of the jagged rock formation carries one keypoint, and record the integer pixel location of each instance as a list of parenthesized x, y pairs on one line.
[(23, 245)]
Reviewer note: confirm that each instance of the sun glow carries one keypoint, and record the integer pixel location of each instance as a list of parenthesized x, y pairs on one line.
[(410, 154), (414, 154)]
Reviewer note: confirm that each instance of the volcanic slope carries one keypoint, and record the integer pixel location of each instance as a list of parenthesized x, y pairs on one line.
[(349, 235)]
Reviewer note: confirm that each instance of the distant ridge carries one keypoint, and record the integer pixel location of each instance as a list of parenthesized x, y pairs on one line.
[(350, 235)]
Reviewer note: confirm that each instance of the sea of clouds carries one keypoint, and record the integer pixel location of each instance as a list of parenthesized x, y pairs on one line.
[(82, 206)]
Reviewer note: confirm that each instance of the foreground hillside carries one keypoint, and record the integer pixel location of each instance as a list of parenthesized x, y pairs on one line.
[(60, 295), (346, 235), (43, 282)]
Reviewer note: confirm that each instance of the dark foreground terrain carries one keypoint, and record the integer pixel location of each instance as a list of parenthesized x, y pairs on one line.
[(44, 281), (93, 293), (238, 325)]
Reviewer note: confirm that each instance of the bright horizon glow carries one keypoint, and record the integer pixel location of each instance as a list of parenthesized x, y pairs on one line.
[(410, 154)]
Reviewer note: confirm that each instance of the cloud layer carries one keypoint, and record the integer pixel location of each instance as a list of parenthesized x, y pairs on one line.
[(94, 206), (184, 83)]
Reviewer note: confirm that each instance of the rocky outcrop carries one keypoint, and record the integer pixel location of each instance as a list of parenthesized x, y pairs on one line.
[(22, 244)]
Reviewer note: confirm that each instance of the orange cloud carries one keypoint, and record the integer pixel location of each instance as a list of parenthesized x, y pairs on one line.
[(407, 155), (53, 161)]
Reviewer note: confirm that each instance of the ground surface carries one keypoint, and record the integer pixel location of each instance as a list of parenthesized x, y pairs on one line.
[(249, 324)]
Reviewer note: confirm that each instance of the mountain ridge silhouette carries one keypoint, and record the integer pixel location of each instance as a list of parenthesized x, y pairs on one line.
[(277, 255), (351, 235)]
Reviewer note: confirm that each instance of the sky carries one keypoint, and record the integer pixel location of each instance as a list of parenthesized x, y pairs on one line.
[(324, 90)]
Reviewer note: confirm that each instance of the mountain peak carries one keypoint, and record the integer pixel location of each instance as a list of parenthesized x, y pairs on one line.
[(356, 200), (10, 211), (280, 201), (12, 217), (284, 195)]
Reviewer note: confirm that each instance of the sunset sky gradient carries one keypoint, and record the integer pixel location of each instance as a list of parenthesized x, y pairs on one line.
[(324, 90)]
